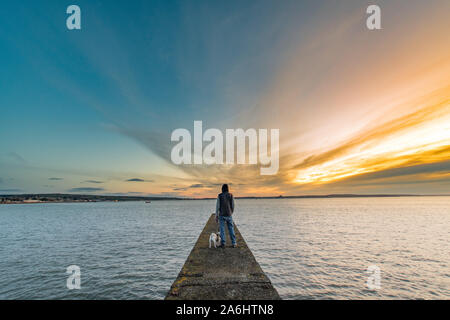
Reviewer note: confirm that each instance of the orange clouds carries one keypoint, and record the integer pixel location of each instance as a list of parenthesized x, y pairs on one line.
[(418, 138)]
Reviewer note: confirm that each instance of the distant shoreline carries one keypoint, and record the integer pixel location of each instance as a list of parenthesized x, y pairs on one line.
[(74, 198)]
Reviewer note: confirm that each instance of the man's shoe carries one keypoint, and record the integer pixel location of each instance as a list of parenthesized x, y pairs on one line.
[(222, 246), (235, 245)]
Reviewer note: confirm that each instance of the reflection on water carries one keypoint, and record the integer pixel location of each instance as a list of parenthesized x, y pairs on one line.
[(310, 248)]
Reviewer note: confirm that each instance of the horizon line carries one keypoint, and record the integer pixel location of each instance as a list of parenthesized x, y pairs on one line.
[(166, 197)]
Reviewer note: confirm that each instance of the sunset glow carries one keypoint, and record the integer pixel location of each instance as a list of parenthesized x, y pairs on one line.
[(417, 143)]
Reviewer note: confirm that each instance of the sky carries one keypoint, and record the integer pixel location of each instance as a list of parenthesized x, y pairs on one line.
[(91, 111)]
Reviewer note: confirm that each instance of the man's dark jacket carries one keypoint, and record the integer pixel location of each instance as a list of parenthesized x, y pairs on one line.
[(226, 204)]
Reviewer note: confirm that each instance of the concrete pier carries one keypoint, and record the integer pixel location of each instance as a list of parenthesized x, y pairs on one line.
[(224, 274)]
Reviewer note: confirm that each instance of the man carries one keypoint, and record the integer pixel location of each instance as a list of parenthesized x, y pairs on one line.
[(224, 212)]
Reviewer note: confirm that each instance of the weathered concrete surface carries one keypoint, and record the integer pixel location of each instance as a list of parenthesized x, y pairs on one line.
[(230, 273)]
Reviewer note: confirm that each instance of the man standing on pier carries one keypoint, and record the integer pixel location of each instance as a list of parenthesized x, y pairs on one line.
[(224, 212)]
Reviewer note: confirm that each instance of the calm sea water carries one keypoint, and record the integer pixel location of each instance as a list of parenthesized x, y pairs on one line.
[(309, 248)]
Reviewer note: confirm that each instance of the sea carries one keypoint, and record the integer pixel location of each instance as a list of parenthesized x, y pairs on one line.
[(321, 248)]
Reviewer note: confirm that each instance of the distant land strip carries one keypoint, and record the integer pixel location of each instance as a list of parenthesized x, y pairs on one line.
[(61, 197)]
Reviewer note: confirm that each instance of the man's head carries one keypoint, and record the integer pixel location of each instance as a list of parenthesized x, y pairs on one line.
[(225, 188)]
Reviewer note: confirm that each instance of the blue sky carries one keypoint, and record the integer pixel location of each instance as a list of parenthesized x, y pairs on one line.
[(137, 65), (98, 104)]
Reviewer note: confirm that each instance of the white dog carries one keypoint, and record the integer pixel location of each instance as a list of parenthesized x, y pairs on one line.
[(214, 238)]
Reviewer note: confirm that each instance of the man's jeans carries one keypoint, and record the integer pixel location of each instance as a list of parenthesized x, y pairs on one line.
[(229, 222)]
